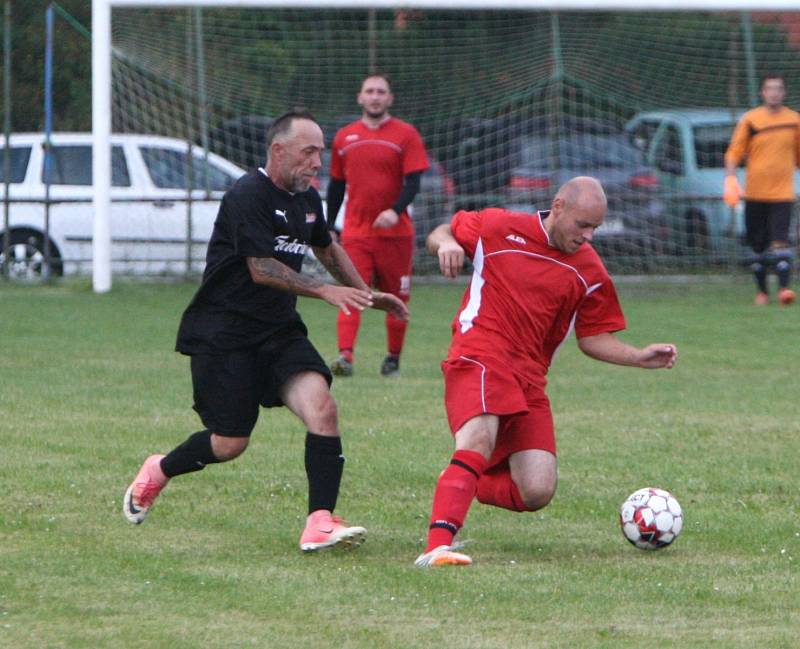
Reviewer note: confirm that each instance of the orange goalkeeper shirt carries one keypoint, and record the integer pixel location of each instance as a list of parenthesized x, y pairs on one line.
[(771, 143)]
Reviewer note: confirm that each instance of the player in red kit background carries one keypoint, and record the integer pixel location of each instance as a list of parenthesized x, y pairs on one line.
[(535, 279), (377, 160)]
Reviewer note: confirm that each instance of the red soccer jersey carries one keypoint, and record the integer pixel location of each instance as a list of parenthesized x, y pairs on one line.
[(526, 296), (373, 161)]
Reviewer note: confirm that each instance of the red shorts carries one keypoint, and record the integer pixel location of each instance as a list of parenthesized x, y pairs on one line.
[(383, 262), (475, 387)]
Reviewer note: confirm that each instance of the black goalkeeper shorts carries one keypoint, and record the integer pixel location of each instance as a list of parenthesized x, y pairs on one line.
[(230, 387), (766, 222)]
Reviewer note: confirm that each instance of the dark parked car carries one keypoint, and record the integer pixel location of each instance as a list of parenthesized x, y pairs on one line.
[(543, 162), (520, 163), (242, 140)]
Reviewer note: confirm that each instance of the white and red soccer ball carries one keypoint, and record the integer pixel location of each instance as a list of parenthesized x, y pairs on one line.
[(651, 518)]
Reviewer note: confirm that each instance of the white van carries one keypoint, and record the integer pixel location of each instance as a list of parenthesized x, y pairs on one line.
[(150, 223)]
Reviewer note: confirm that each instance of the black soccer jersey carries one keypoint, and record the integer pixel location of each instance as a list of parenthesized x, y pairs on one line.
[(255, 219)]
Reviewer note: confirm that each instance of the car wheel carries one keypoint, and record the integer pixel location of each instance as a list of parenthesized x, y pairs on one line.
[(696, 228), (25, 256)]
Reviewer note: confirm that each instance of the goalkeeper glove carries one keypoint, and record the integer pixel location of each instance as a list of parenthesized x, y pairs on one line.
[(732, 192)]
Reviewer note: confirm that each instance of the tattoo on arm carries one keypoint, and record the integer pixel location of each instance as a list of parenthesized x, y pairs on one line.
[(271, 272), (344, 274)]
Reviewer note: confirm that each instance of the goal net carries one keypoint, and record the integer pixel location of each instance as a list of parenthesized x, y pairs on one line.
[(509, 103)]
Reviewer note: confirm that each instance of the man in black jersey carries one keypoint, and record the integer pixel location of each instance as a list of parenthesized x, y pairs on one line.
[(249, 346)]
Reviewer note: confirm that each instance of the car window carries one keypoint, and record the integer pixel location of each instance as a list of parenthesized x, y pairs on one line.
[(710, 143), (71, 164), (643, 133), (167, 169), (599, 152), (669, 153), (20, 155)]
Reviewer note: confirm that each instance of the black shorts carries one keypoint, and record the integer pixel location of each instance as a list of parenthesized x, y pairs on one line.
[(229, 387), (766, 222)]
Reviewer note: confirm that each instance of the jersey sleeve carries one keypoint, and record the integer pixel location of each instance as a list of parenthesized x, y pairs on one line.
[(337, 165), (599, 312), (414, 156), (466, 228), (797, 141), (739, 140), (250, 223)]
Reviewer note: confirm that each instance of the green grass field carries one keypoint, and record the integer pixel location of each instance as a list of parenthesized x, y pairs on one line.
[(90, 386)]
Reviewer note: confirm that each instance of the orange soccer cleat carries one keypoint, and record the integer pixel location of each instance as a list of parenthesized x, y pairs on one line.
[(786, 296), (443, 555)]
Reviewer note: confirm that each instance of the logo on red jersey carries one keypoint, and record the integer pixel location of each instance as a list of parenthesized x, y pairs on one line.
[(351, 138), (516, 239)]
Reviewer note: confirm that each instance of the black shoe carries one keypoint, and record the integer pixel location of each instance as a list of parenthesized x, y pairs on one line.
[(342, 367), (390, 366)]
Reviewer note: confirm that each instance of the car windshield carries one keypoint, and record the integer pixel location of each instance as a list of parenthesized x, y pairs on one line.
[(582, 151), (710, 143)]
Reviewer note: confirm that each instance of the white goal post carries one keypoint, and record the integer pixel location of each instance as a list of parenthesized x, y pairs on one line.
[(102, 67)]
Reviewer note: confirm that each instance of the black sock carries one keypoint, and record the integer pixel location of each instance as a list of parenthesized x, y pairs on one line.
[(324, 467), (783, 269), (760, 273), (190, 456)]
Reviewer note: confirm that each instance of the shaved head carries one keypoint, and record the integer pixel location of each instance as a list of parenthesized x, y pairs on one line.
[(578, 210), (583, 192)]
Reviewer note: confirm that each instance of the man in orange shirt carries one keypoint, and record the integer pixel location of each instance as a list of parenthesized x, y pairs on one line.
[(769, 137), (379, 160)]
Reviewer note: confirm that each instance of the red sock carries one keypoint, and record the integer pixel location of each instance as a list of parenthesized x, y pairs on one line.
[(395, 334), (347, 330), (497, 488), (454, 492)]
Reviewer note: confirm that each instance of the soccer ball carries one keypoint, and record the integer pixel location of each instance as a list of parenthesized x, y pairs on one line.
[(651, 518)]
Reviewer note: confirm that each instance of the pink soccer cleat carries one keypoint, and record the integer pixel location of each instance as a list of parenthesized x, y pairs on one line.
[(323, 530), (144, 489)]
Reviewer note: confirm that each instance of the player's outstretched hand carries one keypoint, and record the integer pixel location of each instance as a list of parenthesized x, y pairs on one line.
[(391, 304), (347, 297), (451, 258), (659, 355)]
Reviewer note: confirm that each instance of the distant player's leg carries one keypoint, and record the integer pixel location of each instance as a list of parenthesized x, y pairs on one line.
[(347, 325), (779, 221), (226, 398), (757, 233), (393, 275)]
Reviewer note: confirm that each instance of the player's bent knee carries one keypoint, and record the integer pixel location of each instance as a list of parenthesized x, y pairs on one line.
[(228, 448), (536, 496), (323, 416)]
